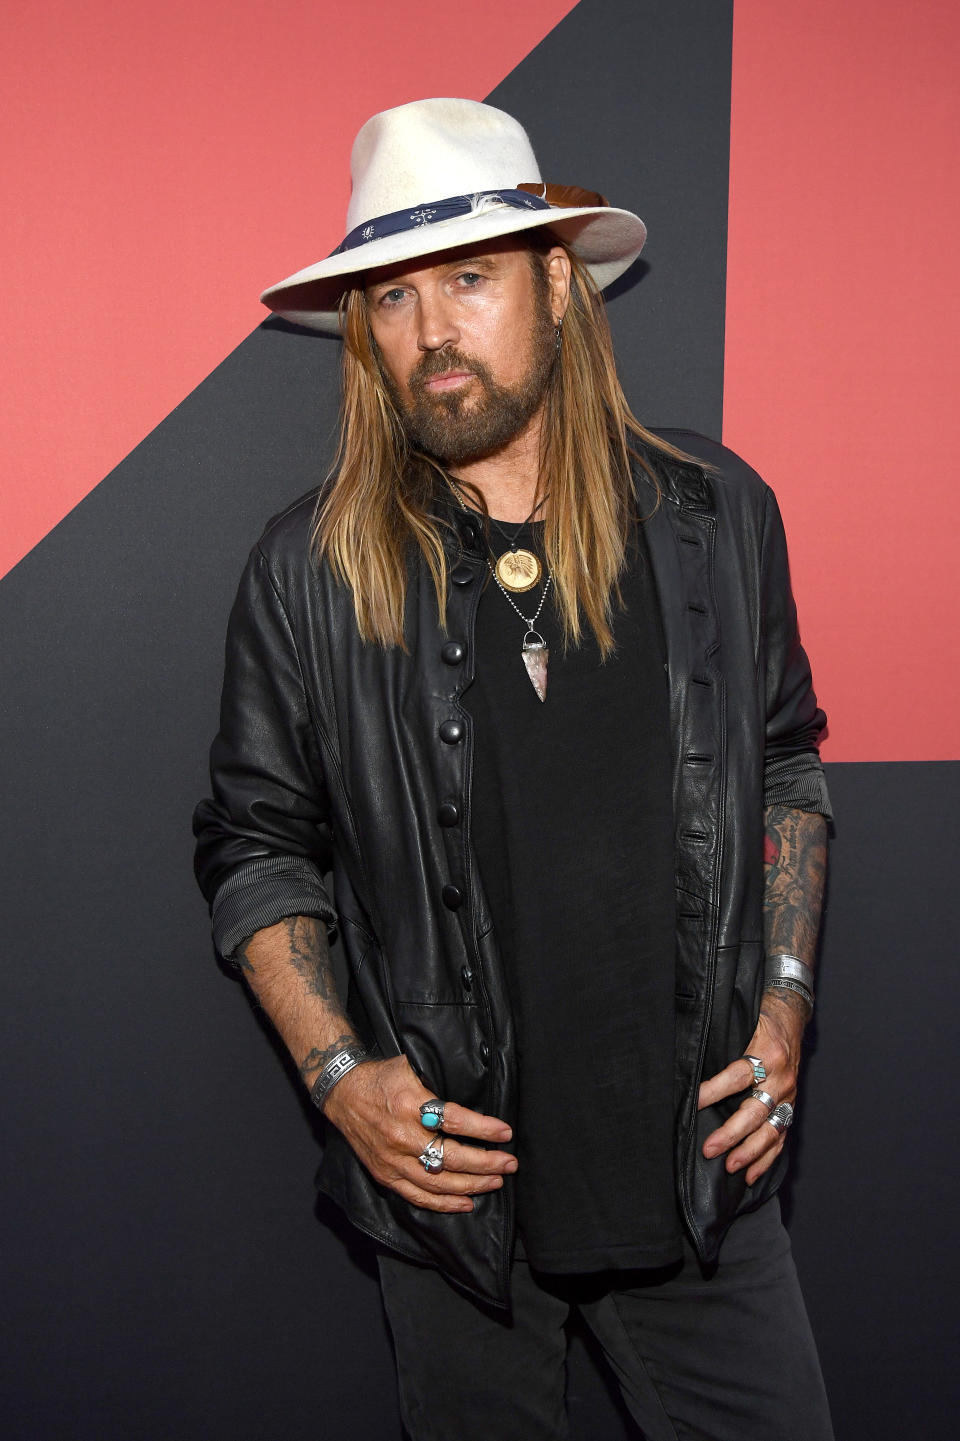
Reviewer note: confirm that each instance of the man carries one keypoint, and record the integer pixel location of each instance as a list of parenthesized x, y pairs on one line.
[(526, 677)]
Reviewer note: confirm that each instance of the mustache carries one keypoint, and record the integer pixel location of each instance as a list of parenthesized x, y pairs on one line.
[(442, 362)]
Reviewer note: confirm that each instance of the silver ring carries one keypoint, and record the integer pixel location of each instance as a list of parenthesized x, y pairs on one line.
[(781, 1116), (431, 1157), (763, 1096), (431, 1115), (759, 1069)]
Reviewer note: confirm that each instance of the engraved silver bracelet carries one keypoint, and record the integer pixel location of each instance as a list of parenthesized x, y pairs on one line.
[(334, 1071), (783, 983), (790, 968)]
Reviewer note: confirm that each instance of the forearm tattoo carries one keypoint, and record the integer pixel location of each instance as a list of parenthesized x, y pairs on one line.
[(310, 955), (795, 864), (297, 945), (307, 951)]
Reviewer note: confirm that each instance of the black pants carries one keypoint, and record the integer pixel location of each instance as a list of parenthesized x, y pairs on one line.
[(727, 1356)]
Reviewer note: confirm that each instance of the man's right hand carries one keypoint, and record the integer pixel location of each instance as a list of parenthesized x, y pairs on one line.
[(377, 1107)]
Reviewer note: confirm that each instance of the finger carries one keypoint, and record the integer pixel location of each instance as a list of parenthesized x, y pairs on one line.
[(457, 1157), (461, 1121), (733, 1078), (744, 1121), (765, 1162), (450, 1183), (428, 1202), (762, 1145)]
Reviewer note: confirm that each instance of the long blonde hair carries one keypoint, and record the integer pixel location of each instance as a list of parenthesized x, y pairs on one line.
[(380, 494)]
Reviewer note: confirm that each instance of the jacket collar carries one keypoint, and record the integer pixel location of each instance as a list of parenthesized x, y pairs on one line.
[(682, 483)]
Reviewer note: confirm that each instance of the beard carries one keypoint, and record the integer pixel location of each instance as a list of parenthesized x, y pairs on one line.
[(454, 427)]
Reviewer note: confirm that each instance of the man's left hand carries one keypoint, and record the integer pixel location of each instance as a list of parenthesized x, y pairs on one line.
[(750, 1141)]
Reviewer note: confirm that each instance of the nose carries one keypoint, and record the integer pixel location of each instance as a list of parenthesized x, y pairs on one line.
[(437, 326)]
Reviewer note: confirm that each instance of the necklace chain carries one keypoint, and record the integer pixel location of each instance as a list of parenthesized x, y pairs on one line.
[(529, 623), (511, 540), (543, 595), (534, 652)]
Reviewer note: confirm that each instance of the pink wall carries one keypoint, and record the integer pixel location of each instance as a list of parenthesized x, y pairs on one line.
[(151, 145), (842, 355), (133, 257)]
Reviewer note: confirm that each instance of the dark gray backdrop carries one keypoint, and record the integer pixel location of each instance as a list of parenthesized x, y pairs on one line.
[(167, 1270)]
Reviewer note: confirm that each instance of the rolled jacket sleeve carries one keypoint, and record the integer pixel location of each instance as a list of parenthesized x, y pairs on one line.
[(263, 837), (793, 773)]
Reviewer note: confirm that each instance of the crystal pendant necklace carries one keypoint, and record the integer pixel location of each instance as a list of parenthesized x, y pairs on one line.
[(535, 652), (521, 565)]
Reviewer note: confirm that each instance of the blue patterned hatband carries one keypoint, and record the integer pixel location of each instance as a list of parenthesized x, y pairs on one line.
[(400, 220)]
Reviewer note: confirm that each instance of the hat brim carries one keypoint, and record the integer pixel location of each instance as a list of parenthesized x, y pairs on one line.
[(607, 240)]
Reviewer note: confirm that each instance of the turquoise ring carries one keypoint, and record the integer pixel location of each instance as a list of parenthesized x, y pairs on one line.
[(431, 1115), (759, 1069)]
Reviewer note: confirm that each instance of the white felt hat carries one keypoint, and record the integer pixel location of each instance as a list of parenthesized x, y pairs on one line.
[(440, 173)]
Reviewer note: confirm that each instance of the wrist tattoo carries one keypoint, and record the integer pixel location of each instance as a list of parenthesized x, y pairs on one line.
[(791, 999), (317, 1057)]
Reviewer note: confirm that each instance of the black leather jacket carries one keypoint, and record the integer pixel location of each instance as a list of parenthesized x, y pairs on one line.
[(335, 753)]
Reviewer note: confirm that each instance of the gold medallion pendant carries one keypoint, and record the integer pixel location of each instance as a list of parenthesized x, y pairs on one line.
[(518, 570)]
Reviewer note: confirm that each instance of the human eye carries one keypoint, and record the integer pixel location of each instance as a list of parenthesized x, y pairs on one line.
[(392, 297), (470, 279)]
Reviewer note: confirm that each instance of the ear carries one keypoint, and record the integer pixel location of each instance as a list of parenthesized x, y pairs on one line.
[(558, 268)]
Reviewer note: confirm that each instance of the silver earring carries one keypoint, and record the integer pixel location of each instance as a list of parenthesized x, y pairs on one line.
[(559, 335)]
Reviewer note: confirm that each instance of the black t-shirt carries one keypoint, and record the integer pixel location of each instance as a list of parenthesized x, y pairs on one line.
[(572, 823)]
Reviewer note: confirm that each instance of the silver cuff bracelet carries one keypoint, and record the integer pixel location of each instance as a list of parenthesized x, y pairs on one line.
[(334, 1071), (789, 968)]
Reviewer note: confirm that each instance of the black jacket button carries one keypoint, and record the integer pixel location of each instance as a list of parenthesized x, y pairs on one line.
[(466, 976), (462, 574), (484, 1051), (453, 652), (452, 897), (451, 731), (448, 814), (469, 533)]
